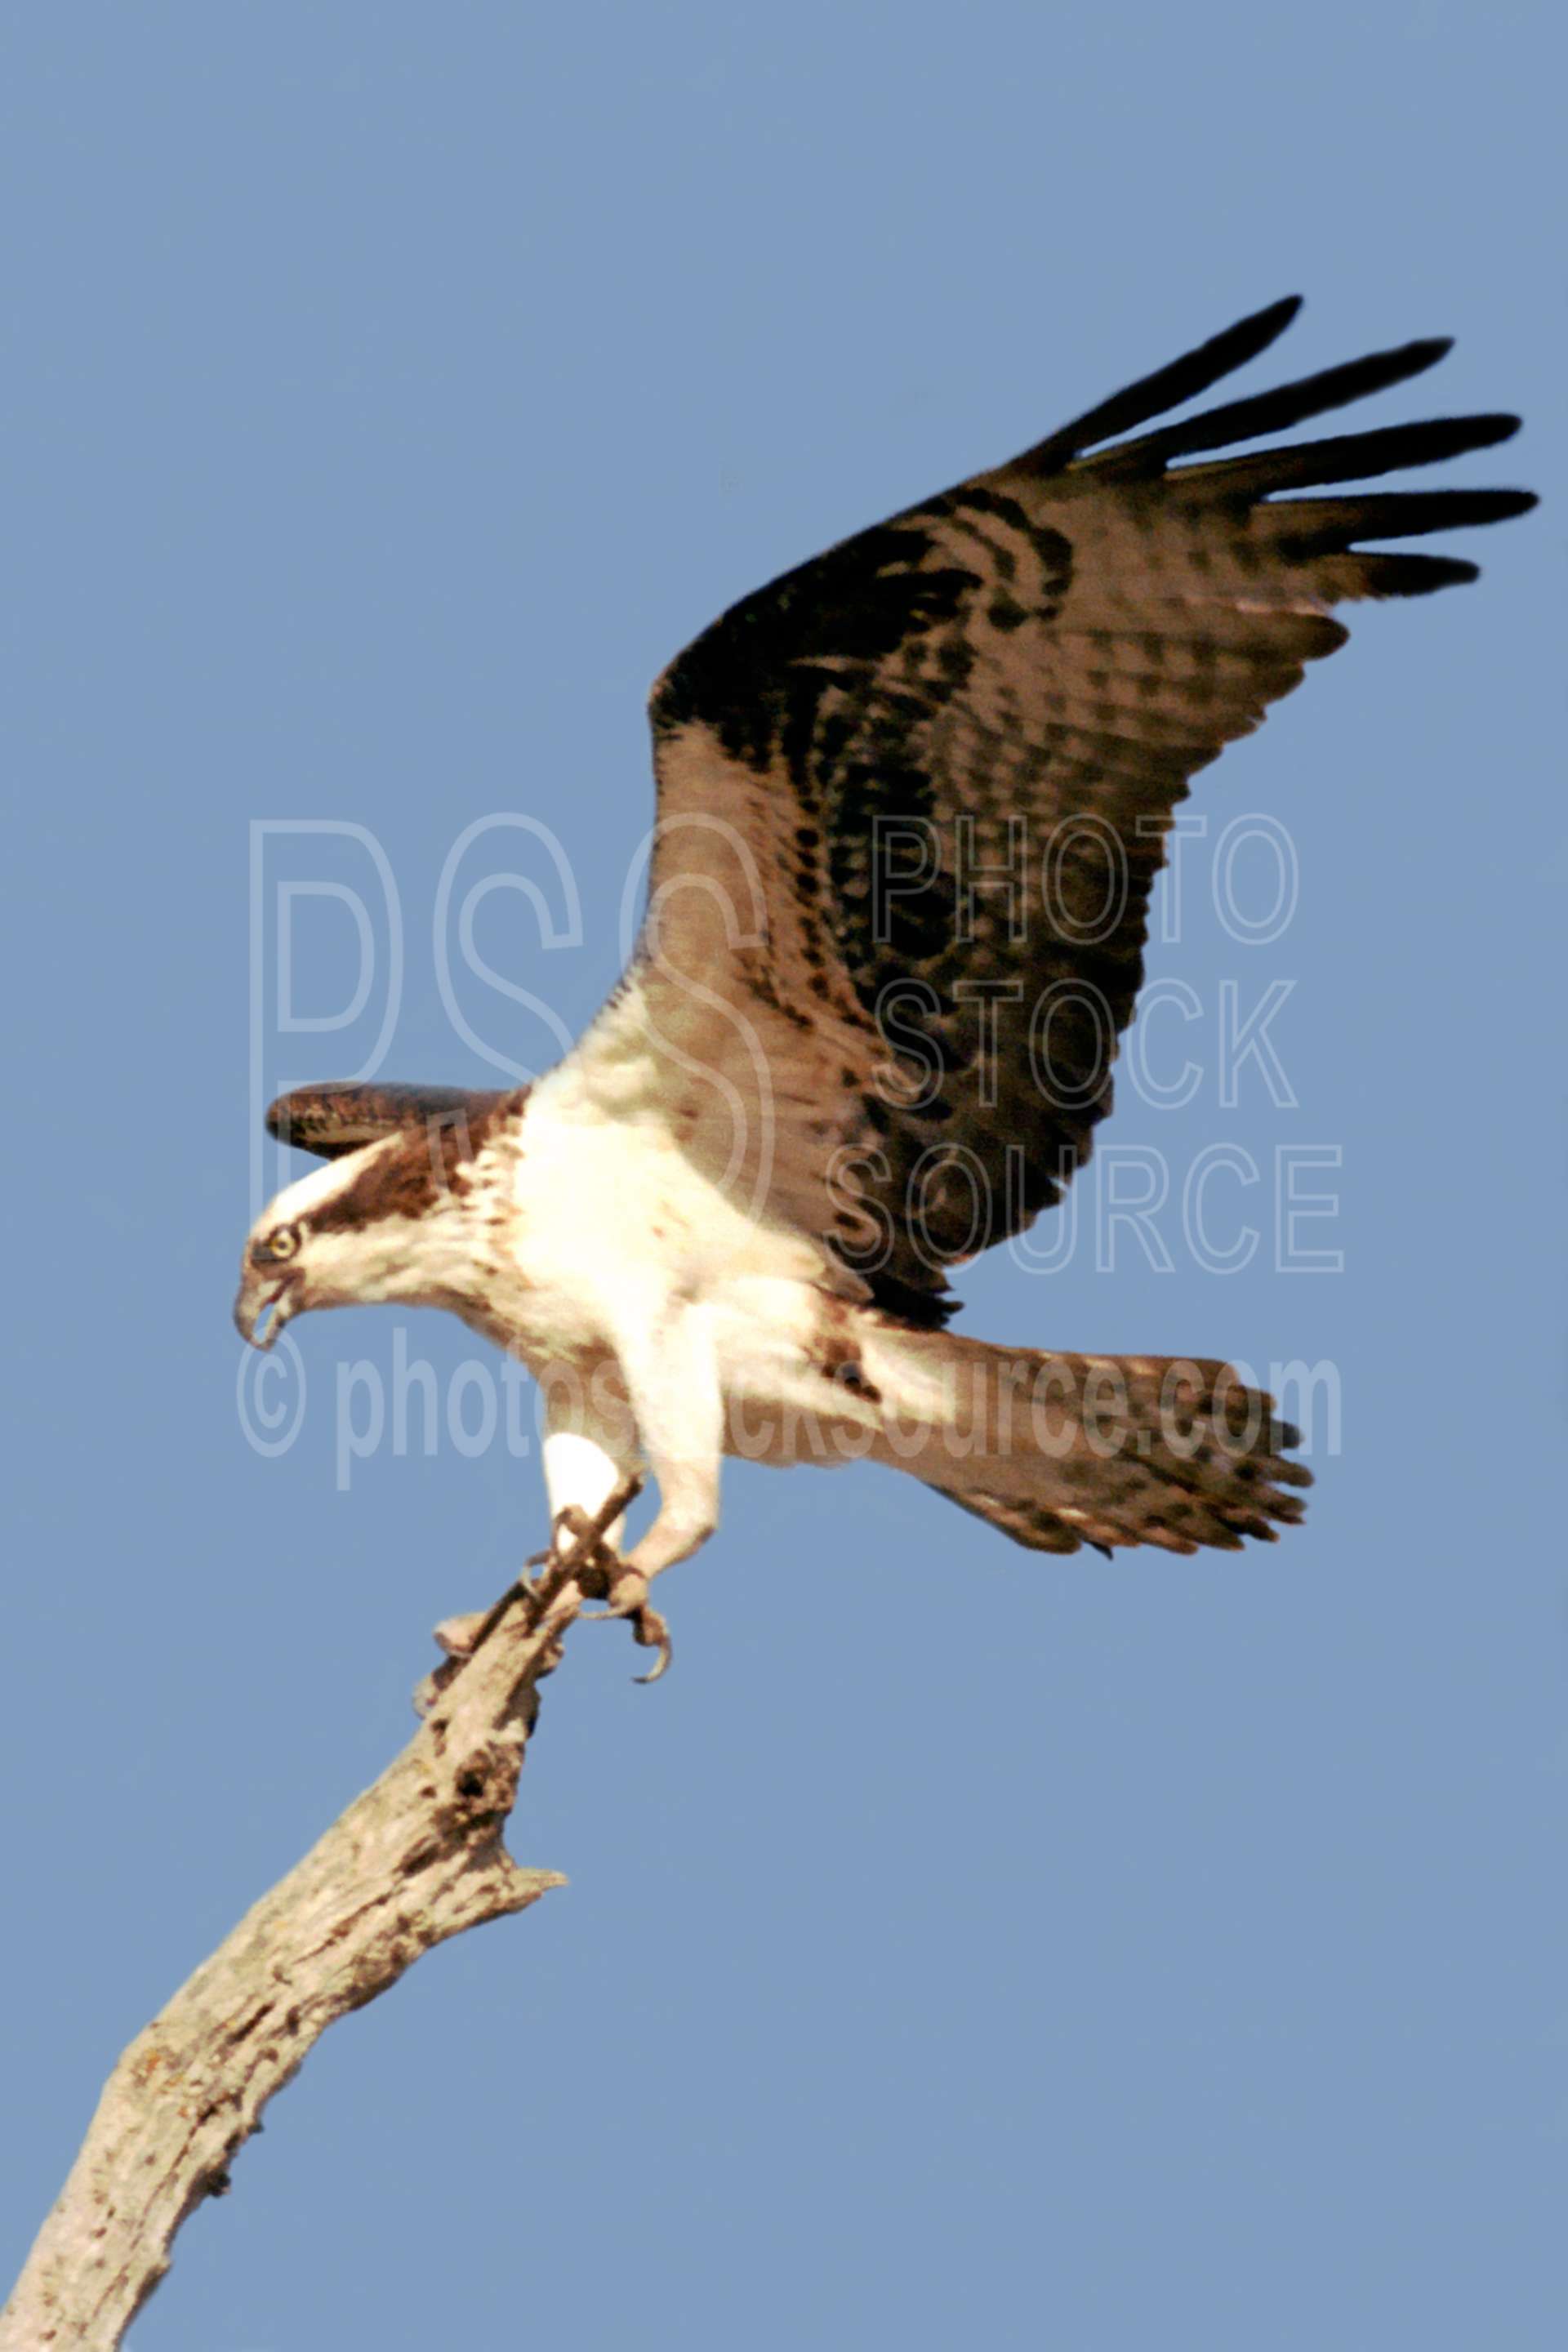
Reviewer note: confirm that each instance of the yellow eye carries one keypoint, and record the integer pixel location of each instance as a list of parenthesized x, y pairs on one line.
[(283, 1243)]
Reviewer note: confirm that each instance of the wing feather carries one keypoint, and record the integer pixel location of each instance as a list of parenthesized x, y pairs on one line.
[(854, 1012), (343, 1116)]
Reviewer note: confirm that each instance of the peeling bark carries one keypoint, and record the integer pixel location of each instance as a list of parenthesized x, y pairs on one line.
[(415, 1859)]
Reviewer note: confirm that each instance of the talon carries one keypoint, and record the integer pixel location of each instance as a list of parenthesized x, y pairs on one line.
[(628, 1593), (650, 1633), (577, 1545), (628, 1598)]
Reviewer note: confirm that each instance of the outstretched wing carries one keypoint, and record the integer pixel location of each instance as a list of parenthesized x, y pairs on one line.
[(912, 797), (337, 1117)]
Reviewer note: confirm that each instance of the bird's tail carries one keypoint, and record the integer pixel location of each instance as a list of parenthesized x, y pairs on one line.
[(1060, 1450)]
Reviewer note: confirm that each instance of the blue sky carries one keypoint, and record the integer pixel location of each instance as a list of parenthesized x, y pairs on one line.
[(961, 1947)]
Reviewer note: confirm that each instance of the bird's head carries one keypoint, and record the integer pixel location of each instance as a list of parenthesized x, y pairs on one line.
[(382, 1222)]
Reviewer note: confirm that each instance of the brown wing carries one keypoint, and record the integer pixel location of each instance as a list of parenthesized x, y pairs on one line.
[(332, 1119), (1019, 675)]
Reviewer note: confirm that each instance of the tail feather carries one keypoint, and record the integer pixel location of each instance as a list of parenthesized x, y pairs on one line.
[(1062, 1450)]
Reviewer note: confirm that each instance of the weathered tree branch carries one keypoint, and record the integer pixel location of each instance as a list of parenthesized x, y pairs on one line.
[(418, 1858)]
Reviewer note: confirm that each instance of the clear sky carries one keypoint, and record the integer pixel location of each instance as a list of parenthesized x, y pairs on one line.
[(962, 1946)]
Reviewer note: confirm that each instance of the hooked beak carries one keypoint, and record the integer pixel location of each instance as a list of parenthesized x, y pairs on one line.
[(257, 1292)]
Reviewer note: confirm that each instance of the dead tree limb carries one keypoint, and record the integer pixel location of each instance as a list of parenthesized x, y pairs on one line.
[(418, 1858)]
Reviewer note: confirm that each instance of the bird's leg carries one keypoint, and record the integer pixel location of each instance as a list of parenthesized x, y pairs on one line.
[(671, 1371), (581, 1475), (669, 1365), (575, 1557), (578, 1544)]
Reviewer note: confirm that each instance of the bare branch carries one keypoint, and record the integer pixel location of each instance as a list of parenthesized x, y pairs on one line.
[(418, 1858)]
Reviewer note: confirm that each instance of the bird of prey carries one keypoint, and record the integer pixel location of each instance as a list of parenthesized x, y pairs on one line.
[(849, 1050)]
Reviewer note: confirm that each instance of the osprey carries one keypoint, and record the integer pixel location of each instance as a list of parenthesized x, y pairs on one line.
[(851, 1049)]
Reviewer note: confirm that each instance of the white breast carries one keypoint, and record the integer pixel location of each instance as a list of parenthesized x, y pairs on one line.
[(605, 1219)]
